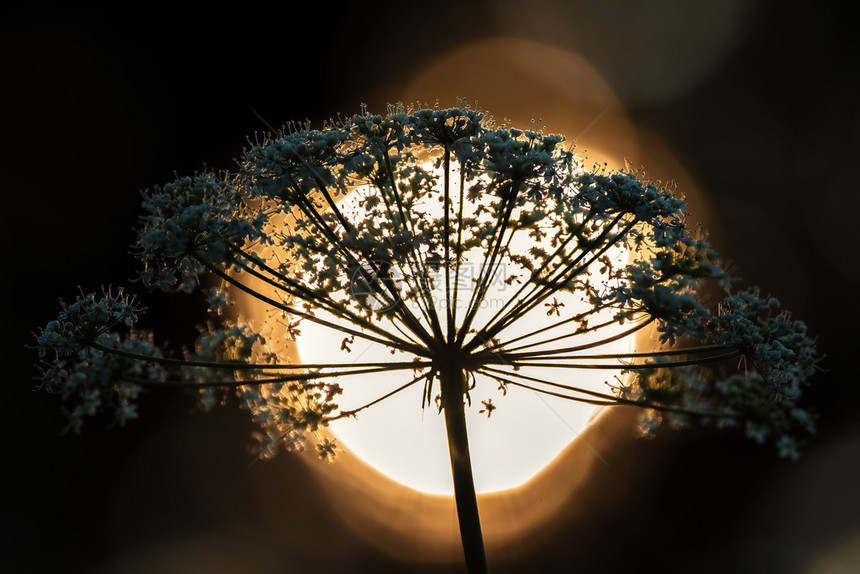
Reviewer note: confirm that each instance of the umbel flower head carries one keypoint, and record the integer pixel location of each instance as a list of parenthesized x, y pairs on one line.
[(398, 231), (90, 379), (394, 230)]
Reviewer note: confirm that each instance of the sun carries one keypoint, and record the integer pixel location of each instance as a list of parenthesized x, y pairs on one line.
[(514, 432), (407, 442), (508, 275)]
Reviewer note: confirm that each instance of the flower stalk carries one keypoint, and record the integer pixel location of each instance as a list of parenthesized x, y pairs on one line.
[(453, 385)]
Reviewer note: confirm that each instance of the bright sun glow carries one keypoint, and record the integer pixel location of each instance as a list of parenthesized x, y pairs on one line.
[(526, 431)]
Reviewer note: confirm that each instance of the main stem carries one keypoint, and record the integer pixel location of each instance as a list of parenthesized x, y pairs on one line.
[(453, 383)]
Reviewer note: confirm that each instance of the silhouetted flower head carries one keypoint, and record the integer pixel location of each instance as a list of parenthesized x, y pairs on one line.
[(394, 229), (88, 379)]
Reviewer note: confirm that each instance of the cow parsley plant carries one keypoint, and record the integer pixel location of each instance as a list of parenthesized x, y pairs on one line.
[(391, 230)]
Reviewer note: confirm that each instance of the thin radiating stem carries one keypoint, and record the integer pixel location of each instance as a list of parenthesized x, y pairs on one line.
[(583, 347), (449, 315), (488, 267), (574, 333), (458, 251), (255, 382), (632, 355), (353, 412), (611, 399), (401, 311), (249, 366), (418, 350), (506, 381), (433, 318), (570, 271), (625, 366), (535, 274), (326, 303)]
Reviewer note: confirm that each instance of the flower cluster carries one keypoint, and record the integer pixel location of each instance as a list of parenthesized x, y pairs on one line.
[(191, 225), (664, 287), (215, 350), (765, 417), (286, 407), (92, 367), (85, 321), (765, 400), (682, 396), (625, 192), (288, 412), (528, 160), (779, 347)]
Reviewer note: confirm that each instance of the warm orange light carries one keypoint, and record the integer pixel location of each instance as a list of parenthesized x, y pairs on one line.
[(526, 430), (520, 80)]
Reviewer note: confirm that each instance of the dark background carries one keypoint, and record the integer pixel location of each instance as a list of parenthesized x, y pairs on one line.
[(100, 103)]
